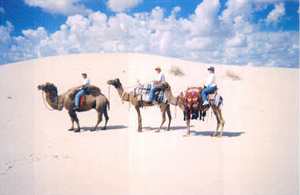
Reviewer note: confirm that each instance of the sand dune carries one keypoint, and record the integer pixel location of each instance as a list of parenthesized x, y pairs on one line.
[(257, 155)]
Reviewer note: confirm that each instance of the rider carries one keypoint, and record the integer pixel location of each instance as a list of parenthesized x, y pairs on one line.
[(82, 90), (210, 85), (159, 79)]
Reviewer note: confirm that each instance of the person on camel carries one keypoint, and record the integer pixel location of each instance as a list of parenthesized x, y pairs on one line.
[(82, 91), (210, 85), (159, 79)]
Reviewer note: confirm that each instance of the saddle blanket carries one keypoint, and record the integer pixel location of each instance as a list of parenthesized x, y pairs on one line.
[(143, 93), (192, 95)]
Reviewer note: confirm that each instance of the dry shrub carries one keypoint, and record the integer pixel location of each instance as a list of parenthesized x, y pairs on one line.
[(175, 70), (234, 76)]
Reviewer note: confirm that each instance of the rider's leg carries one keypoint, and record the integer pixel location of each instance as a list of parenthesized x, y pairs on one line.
[(77, 97), (152, 94), (204, 94)]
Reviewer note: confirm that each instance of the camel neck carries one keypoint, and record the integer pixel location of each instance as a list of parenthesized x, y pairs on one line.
[(123, 94), (51, 100), (56, 102), (171, 99)]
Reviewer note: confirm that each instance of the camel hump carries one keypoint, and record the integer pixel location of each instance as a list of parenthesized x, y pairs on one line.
[(91, 90)]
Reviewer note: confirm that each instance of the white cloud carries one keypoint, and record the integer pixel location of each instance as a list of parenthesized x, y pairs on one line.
[(205, 20), (239, 40), (276, 13), (65, 7), (123, 5), (202, 36), (2, 10)]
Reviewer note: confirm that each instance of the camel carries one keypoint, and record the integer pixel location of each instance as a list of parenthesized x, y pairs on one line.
[(180, 101), (137, 103), (95, 100)]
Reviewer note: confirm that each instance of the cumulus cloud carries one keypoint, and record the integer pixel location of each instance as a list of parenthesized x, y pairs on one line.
[(124, 5), (65, 7), (276, 13), (204, 36)]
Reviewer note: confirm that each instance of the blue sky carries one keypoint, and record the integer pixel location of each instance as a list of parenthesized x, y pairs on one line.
[(203, 25)]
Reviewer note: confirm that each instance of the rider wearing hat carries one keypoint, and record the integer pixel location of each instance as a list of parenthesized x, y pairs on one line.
[(160, 78), (210, 85), (82, 90)]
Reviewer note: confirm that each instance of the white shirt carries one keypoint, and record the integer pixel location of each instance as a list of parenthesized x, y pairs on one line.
[(86, 81), (211, 80), (160, 77)]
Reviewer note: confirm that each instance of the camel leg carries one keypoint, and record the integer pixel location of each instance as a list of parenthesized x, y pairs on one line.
[(169, 116), (75, 118), (137, 108), (106, 118), (188, 125), (72, 121), (99, 120), (222, 122), (218, 121), (163, 115)]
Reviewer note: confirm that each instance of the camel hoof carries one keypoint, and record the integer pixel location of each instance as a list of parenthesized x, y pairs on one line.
[(103, 128), (77, 131), (71, 129), (214, 134)]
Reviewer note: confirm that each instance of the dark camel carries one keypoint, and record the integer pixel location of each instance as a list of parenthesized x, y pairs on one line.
[(95, 100)]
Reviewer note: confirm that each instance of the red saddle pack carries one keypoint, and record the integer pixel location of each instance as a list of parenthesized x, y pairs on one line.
[(192, 96), (82, 100)]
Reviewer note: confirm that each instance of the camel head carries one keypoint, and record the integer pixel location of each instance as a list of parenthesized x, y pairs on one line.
[(115, 82), (48, 88)]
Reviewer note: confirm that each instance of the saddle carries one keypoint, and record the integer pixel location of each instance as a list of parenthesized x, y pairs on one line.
[(142, 92)]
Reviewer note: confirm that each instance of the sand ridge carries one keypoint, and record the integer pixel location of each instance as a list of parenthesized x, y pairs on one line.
[(257, 155)]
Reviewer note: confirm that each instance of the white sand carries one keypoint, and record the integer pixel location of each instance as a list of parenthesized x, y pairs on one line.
[(257, 156)]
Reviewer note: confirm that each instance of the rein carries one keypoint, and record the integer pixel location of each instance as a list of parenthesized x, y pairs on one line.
[(45, 102)]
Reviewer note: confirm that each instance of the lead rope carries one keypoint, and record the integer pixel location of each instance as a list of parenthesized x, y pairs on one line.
[(44, 101)]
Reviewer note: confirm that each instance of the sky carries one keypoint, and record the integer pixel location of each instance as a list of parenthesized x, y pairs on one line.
[(240, 32)]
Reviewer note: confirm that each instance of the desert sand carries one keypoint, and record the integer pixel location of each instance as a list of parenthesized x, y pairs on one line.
[(258, 154)]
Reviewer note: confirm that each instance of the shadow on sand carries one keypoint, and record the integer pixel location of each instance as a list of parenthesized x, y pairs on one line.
[(209, 133), (165, 128), (109, 127)]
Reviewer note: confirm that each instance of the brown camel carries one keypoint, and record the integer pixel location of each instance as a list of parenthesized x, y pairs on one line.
[(133, 99), (95, 100), (180, 101)]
